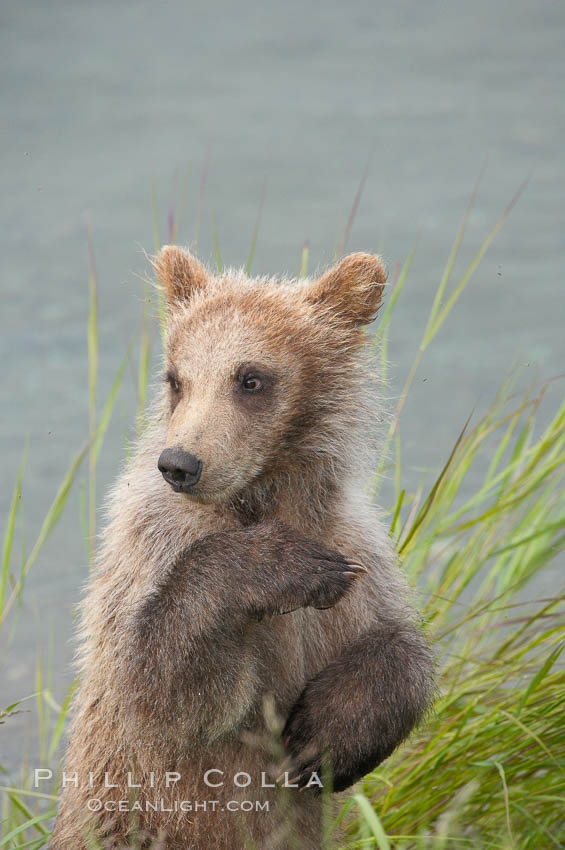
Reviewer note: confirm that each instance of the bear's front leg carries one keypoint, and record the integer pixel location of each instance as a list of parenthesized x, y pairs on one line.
[(191, 640), (356, 711)]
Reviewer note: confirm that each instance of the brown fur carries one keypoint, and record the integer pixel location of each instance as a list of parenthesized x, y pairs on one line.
[(189, 658)]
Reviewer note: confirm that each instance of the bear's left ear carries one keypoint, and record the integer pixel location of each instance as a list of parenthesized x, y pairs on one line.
[(352, 289), (180, 273)]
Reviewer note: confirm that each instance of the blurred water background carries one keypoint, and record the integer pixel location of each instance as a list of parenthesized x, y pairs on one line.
[(106, 104)]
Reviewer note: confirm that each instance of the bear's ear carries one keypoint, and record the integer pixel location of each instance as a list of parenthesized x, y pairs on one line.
[(352, 289), (180, 273)]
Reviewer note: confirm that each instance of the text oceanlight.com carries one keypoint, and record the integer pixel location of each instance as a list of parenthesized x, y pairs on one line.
[(193, 806)]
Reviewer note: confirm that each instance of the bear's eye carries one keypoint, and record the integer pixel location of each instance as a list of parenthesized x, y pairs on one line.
[(173, 382), (251, 383)]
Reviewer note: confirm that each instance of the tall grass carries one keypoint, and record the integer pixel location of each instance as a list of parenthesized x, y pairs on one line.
[(487, 767)]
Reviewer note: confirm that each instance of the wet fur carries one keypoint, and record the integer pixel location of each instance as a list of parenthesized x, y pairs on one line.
[(184, 639)]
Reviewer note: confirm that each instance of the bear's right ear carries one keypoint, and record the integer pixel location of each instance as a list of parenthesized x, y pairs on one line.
[(180, 273)]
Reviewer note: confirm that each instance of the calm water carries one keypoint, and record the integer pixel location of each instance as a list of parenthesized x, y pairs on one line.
[(102, 101)]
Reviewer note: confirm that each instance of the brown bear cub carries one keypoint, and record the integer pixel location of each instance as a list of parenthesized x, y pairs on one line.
[(247, 617)]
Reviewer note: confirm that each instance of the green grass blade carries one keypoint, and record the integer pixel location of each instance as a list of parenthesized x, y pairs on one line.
[(304, 258), (440, 292), (47, 527), (371, 818), (26, 812), (31, 823), (61, 720), (9, 533), (109, 405), (92, 387), (438, 320), (256, 230), (144, 367), (540, 675), (219, 265)]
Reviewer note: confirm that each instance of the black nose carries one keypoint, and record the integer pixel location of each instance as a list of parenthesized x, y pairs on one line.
[(180, 469)]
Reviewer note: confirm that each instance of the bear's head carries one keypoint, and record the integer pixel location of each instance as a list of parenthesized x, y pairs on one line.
[(263, 376)]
